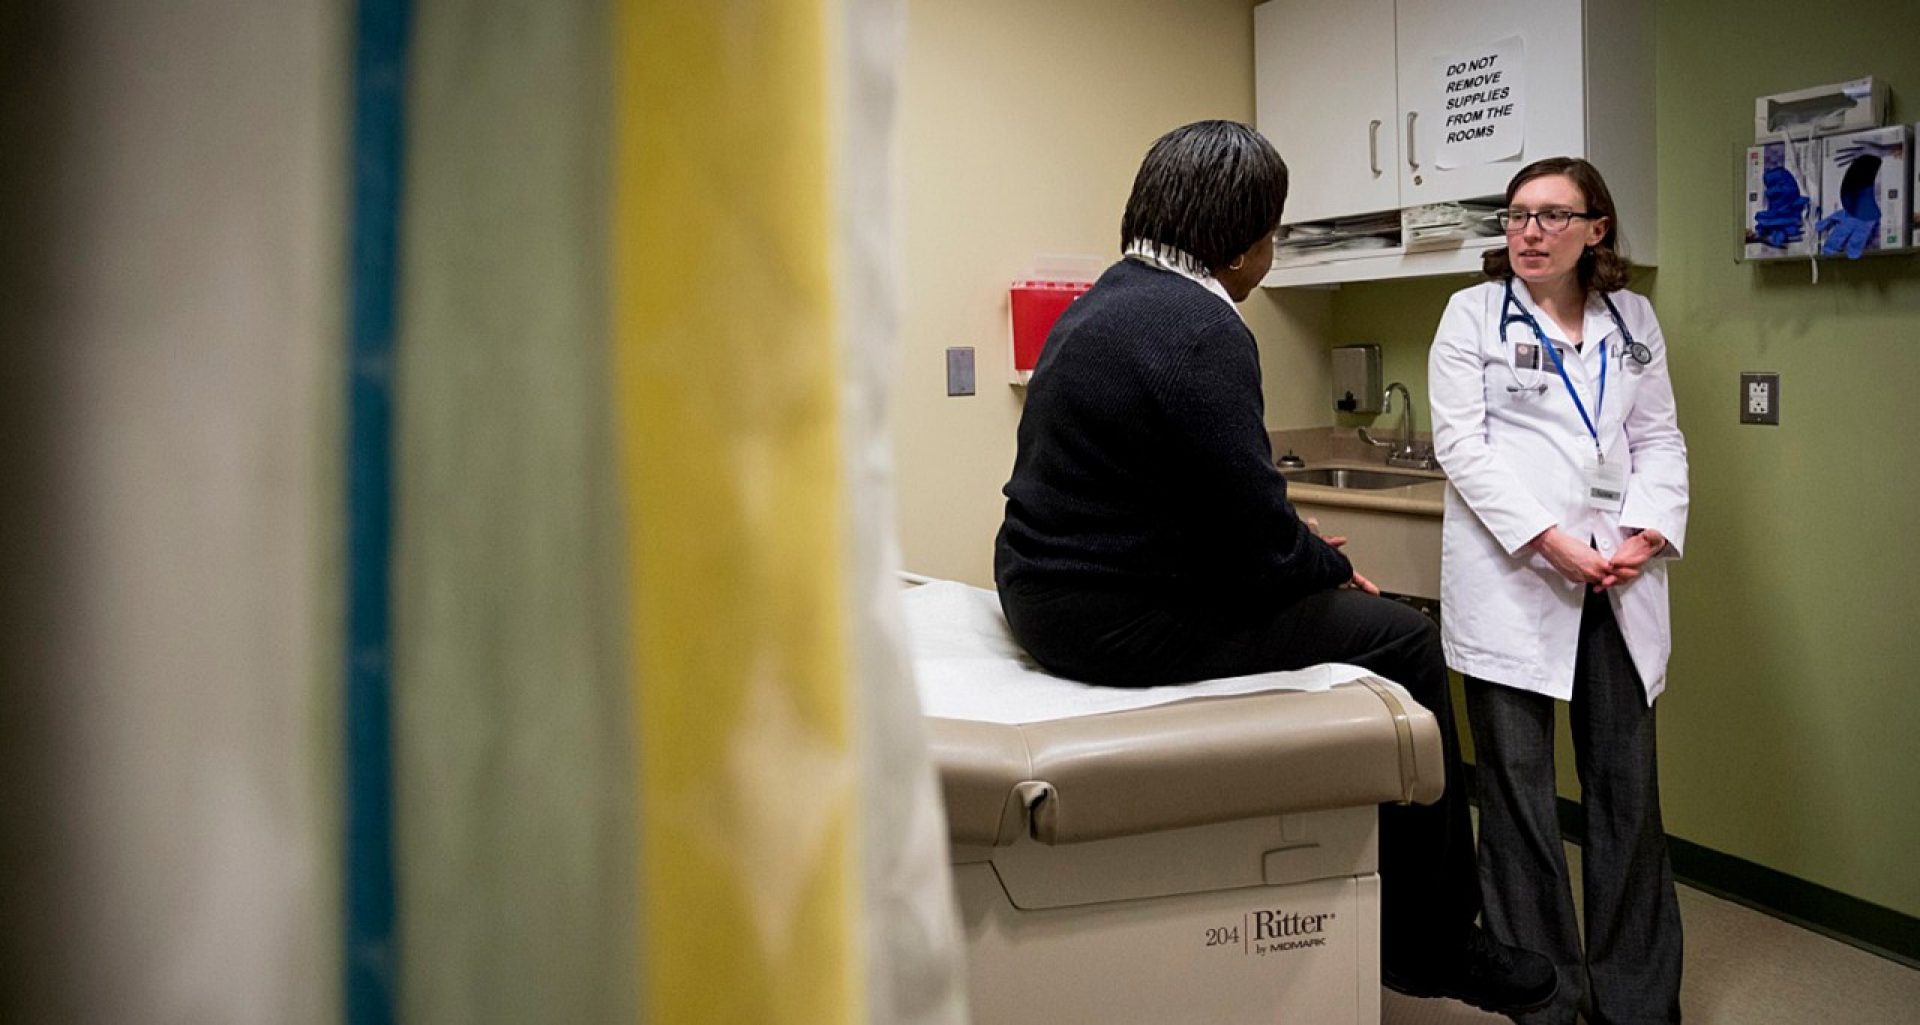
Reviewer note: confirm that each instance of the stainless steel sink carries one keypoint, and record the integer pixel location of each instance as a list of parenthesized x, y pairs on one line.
[(1355, 480)]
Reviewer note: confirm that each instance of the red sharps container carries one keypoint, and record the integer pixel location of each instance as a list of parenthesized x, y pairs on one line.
[(1032, 307)]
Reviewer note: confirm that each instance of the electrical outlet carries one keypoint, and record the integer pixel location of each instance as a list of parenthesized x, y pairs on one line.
[(1759, 397), (960, 371)]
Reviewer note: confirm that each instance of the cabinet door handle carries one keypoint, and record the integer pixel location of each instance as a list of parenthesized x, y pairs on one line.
[(1412, 161), (1373, 146)]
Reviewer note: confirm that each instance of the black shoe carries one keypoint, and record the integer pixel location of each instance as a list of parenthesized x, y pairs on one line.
[(1483, 972)]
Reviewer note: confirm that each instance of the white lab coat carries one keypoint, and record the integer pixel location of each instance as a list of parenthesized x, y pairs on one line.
[(1515, 457)]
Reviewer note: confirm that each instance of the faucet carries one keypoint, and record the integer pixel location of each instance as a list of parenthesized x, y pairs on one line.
[(1403, 451)]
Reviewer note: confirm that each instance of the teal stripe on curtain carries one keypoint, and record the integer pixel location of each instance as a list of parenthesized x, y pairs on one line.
[(379, 81)]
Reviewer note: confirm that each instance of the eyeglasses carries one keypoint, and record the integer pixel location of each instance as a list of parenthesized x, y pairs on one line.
[(1552, 222)]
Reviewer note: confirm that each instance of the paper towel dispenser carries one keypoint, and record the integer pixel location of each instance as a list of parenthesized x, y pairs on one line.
[(1357, 385)]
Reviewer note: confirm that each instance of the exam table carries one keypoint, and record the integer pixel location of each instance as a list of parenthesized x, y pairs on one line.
[(1203, 853)]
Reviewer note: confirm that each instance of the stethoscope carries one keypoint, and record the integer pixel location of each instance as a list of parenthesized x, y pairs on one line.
[(1512, 311)]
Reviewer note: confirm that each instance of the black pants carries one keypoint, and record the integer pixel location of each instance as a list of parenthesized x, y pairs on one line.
[(1429, 885), (1630, 972)]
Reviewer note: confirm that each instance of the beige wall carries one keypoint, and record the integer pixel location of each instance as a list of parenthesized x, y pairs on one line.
[(1021, 126)]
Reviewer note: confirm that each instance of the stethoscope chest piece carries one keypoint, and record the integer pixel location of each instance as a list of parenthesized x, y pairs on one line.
[(1630, 348)]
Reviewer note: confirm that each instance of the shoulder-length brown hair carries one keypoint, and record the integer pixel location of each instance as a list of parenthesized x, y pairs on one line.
[(1603, 267)]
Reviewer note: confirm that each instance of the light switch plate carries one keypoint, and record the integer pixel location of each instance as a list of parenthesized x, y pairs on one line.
[(1759, 397), (960, 371)]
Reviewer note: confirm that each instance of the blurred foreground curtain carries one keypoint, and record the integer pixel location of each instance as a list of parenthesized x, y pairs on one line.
[(170, 323), (657, 756)]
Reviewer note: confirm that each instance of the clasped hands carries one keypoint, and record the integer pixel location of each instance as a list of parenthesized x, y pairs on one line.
[(1577, 562), (1581, 564)]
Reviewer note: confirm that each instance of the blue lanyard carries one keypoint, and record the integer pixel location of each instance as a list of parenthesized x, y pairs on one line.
[(1561, 366)]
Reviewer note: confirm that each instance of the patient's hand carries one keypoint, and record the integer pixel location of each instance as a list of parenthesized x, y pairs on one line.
[(1358, 583), (1313, 527)]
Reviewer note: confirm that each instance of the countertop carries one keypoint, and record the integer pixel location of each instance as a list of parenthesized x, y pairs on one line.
[(1426, 499), (1341, 448)]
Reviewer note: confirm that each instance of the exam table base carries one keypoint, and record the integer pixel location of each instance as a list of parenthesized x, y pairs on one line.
[(1270, 921)]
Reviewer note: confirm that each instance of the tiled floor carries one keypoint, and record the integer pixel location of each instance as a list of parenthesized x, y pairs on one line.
[(1745, 968)]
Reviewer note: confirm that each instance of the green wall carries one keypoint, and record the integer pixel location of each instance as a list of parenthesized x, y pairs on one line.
[(1789, 730)]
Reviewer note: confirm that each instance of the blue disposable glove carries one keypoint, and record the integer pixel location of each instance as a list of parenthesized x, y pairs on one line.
[(1850, 228), (1779, 223)]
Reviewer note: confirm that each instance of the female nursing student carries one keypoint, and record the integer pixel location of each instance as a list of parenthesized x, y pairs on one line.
[(1148, 538), (1553, 417)]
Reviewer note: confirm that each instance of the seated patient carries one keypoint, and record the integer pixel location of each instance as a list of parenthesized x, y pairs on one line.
[(1148, 537)]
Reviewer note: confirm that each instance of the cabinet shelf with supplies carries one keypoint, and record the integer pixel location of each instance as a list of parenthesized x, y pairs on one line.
[(1381, 264)]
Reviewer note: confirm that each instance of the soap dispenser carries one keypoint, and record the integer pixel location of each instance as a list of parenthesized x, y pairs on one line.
[(1356, 379)]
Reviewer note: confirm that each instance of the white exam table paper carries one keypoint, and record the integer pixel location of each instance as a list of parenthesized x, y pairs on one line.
[(967, 666)]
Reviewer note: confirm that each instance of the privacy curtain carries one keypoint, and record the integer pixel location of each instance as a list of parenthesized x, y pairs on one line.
[(656, 755)]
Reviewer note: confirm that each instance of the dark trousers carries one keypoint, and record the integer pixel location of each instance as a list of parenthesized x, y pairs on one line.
[(1429, 888), (1631, 970)]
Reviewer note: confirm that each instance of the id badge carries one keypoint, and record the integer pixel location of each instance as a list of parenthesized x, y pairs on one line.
[(1605, 484)]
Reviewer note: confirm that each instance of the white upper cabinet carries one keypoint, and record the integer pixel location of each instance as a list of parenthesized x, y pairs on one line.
[(1382, 104), (1483, 56), (1331, 110)]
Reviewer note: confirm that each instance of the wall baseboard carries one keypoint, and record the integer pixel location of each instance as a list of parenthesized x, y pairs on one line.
[(1848, 919)]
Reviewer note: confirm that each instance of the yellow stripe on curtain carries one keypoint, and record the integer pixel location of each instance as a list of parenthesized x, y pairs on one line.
[(726, 379)]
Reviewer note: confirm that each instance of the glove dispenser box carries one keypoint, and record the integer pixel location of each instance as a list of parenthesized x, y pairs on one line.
[(1822, 110), (1783, 196), (1865, 202)]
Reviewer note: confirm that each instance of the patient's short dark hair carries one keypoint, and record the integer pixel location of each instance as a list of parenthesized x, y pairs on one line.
[(1211, 188)]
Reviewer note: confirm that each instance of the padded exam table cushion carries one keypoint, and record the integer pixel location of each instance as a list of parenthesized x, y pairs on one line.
[(1146, 761)]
